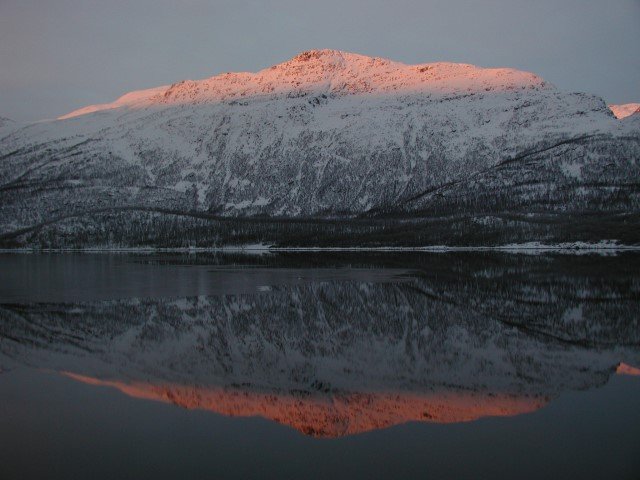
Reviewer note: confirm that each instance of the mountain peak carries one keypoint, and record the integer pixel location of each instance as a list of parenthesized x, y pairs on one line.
[(335, 73), (336, 58), (322, 54)]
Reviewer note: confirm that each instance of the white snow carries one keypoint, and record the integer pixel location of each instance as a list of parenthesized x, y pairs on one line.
[(329, 72), (131, 99), (572, 170), (324, 130)]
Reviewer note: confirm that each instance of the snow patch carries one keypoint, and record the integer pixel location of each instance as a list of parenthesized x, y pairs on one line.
[(572, 170)]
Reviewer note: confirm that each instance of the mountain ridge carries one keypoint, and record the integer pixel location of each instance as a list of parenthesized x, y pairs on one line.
[(329, 72)]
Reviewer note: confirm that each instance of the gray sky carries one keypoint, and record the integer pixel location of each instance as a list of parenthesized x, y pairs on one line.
[(58, 55)]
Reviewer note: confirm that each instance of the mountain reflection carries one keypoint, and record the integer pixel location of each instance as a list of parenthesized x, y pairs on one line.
[(338, 414), (457, 339)]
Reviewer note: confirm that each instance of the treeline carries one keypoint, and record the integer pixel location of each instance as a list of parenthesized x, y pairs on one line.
[(125, 229)]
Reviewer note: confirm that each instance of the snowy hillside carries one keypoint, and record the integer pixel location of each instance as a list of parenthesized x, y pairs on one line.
[(474, 155)]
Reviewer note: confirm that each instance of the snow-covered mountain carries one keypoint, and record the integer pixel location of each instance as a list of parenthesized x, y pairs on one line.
[(625, 110), (470, 155)]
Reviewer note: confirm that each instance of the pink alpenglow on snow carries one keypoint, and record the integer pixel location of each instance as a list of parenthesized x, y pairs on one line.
[(625, 110), (330, 72), (131, 100)]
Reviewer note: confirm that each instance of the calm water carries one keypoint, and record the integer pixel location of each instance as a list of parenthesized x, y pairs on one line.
[(462, 365)]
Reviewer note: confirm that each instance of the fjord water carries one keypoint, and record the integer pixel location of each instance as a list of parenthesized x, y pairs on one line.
[(449, 365)]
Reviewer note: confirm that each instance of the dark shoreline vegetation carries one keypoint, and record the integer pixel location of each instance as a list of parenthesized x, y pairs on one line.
[(130, 227)]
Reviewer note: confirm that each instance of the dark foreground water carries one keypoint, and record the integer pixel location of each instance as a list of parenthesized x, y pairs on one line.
[(467, 365)]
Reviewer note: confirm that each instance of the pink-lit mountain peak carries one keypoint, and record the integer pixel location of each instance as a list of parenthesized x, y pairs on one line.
[(330, 72), (325, 57), (337, 72), (625, 110), (332, 63)]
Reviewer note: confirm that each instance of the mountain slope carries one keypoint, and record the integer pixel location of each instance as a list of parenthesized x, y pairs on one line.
[(473, 155)]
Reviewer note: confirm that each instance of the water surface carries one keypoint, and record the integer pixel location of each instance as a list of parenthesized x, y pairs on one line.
[(456, 365)]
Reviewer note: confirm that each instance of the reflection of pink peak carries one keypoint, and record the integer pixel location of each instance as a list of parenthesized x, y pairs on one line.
[(331, 72), (331, 416), (626, 110), (624, 369)]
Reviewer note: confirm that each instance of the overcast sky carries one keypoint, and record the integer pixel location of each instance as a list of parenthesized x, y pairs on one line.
[(58, 55)]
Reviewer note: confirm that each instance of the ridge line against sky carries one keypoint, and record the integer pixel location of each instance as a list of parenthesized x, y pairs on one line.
[(60, 55)]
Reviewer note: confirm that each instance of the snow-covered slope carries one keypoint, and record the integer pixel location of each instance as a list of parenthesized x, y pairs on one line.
[(625, 110), (327, 134), (137, 99)]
